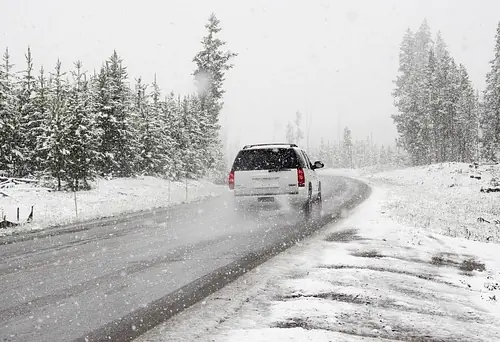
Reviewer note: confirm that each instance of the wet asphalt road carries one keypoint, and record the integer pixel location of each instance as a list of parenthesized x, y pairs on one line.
[(61, 287)]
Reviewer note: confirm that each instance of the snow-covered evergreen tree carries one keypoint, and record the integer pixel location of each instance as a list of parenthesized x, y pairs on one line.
[(118, 148), (451, 96), (172, 128), (423, 43), (81, 133), (147, 142), (347, 149), (430, 110), (383, 156), (212, 63), (440, 48), (101, 99), (433, 98), (466, 120), (55, 129), (405, 100), (13, 135), (323, 152), (421, 123), (160, 131), (41, 114), (8, 120), (330, 155), (390, 155), (29, 121), (197, 122), (490, 121), (72, 130), (299, 135)]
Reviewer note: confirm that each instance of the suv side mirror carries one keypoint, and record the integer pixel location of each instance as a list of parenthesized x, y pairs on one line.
[(318, 165)]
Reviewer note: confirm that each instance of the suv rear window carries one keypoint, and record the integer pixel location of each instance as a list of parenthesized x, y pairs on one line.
[(266, 159)]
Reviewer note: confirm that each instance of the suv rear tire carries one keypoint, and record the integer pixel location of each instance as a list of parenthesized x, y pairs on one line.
[(319, 199), (308, 206)]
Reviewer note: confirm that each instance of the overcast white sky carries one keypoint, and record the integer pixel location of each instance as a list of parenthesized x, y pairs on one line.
[(329, 59)]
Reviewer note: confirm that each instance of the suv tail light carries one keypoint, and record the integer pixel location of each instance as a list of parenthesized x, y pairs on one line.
[(301, 179), (231, 180)]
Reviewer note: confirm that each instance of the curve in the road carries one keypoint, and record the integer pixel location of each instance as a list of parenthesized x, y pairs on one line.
[(114, 282), (138, 322)]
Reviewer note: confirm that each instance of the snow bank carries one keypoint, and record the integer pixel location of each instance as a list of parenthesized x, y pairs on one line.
[(107, 198), (444, 199)]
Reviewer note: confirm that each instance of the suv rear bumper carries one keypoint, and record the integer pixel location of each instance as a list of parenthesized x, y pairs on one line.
[(291, 193), (281, 200)]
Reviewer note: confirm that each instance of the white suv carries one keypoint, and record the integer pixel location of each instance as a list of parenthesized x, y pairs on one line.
[(279, 173)]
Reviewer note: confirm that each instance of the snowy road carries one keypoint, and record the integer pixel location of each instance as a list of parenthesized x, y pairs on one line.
[(119, 279)]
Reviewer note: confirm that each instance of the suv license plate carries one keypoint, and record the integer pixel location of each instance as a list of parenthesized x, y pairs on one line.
[(266, 199)]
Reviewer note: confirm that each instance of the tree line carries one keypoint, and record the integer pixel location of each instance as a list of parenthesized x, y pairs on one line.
[(75, 126), (347, 153), (440, 116), (350, 153)]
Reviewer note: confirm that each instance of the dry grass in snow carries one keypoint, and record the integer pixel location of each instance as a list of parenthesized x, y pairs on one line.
[(444, 199)]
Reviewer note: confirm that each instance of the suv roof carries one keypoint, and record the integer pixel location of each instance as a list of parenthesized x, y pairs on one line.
[(271, 145)]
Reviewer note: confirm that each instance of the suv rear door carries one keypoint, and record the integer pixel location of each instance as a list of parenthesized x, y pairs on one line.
[(266, 171)]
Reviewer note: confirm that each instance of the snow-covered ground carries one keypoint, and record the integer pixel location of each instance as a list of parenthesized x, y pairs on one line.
[(388, 271), (444, 199), (107, 198)]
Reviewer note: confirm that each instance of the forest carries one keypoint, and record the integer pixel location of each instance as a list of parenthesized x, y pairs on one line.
[(71, 126)]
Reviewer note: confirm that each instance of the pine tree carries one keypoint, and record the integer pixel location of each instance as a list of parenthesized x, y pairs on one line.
[(490, 122), (7, 117), (299, 135), (330, 155), (82, 136), (118, 145), (405, 100), (336, 155), (147, 108), (323, 152), (212, 62), (441, 115), (55, 130), (431, 108), (146, 140), (187, 137), (433, 98), (210, 148), (383, 156), (467, 120), (172, 128), (389, 155), (422, 121), (41, 116), (423, 43), (14, 141), (101, 99), (347, 148), (164, 142), (196, 125), (440, 48), (29, 122)]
